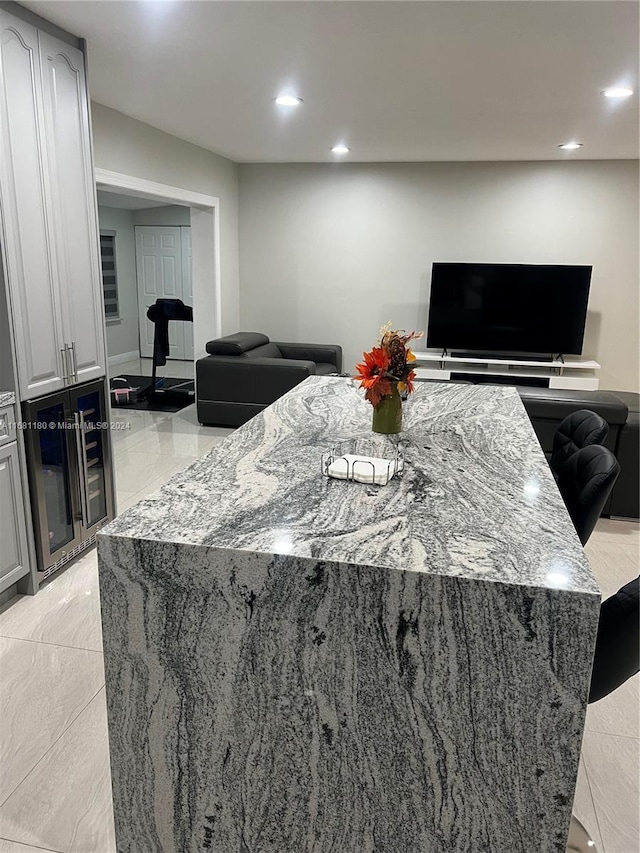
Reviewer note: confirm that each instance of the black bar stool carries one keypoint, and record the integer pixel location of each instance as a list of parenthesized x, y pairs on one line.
[(617, 658), (579, 429), (585, 481)]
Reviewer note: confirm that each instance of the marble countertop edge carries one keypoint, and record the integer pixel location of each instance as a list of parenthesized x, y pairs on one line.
[(311, 561), (477, 498)]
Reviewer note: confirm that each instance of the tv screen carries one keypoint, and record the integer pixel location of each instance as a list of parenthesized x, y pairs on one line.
[(518, 308)]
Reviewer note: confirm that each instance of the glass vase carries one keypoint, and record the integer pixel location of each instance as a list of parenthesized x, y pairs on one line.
[(387, 415)]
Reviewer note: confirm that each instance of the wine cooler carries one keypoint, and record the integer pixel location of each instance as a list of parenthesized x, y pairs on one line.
[(69, 462)]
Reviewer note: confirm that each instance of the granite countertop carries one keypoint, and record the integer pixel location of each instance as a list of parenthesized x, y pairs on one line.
[(7, 398), (476, 500)]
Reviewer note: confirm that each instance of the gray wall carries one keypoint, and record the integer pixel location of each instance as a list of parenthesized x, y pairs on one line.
[(170, 214), (122, 144), (331, 252), (122, 334)]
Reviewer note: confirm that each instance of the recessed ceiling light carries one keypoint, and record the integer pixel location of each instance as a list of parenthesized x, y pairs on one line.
[(340, 149), (570, 146), (618, 92), (288, 101)]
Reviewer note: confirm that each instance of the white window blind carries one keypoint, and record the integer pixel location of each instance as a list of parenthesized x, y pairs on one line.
[(109, 275)]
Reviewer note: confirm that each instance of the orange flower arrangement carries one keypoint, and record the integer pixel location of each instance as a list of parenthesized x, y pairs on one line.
[(387, 365)]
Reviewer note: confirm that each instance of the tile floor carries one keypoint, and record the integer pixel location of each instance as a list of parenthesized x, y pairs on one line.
[(54, 767)]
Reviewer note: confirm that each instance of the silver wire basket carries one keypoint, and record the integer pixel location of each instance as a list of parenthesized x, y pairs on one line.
[(364, 460)]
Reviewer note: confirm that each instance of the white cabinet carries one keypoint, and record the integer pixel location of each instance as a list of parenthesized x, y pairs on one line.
[(49, 216), (73, 208), (14, 560), (26, 248)]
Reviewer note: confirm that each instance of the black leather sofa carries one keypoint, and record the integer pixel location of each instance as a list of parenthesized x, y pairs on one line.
[(625, 500), (547, 407), (246, 372)]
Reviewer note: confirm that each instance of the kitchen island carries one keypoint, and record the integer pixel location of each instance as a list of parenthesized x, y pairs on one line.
[(303, 665)]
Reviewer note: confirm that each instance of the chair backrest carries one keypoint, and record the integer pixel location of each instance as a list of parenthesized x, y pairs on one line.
[(617, 655), (579, 429), (585, 482)]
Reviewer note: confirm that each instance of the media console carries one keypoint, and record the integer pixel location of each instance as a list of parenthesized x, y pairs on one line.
[(569, 374)]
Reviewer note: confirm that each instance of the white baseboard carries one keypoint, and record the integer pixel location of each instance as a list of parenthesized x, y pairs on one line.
[(122, 357)]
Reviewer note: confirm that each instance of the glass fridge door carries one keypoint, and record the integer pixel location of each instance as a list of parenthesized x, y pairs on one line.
[(52, 477), (92, 442)]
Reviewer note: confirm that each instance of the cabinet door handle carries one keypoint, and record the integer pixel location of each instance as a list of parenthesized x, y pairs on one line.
[(65, 366), (74, 361), (78, 419)]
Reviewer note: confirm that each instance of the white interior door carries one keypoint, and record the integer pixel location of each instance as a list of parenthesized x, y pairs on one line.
[(187, 288), (160, 276)]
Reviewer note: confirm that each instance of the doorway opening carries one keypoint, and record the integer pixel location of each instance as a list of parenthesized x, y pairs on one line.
[(157, 241), (145, 250)]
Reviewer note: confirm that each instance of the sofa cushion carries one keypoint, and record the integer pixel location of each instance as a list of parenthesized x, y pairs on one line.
[(631, 399), (323, 368), (625, 500), (269, 350), (236, 344)]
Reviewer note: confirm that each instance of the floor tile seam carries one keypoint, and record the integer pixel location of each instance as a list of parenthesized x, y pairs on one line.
[(148, 452), (157, 452), (144, 492), (612, 734), (619, 542), (151, 453), (589, 730), (168, 474), (582, 815), (600, 536), (595, 810), (49, 748), (49, 643), (32, 846)]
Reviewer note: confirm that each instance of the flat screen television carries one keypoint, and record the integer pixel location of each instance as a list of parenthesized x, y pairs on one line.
[(508, 308)]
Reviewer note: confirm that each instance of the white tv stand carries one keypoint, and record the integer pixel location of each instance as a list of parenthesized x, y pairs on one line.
[(569, 374)]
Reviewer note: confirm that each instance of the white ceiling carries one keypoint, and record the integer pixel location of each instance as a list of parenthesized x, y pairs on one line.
[(396, 81), (127, 202)]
